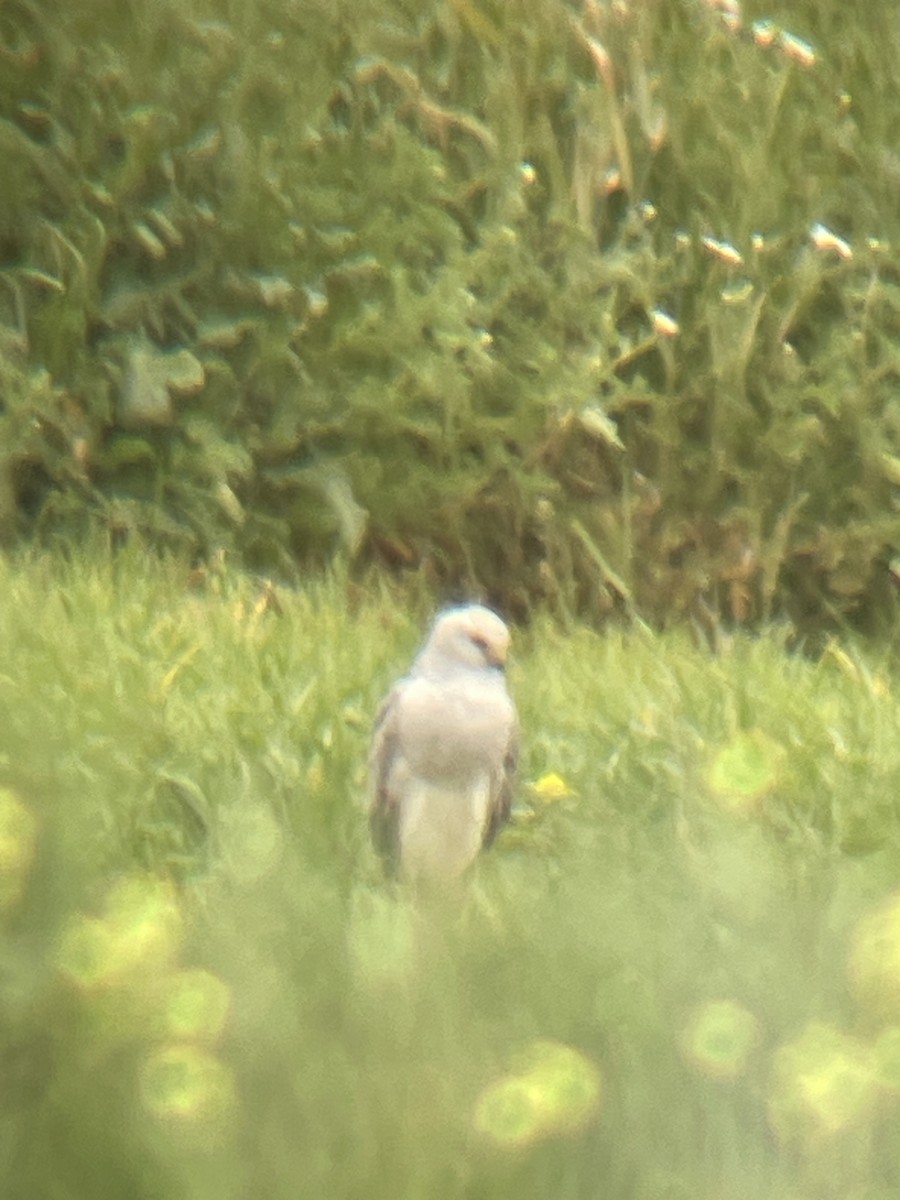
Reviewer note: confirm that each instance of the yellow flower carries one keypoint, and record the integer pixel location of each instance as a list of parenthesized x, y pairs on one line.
[(554, 1090), (719, 1039), (823, 1082), (551, 787), (744, 770)]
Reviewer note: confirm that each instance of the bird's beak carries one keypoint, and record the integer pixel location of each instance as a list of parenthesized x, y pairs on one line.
[(496, 657)]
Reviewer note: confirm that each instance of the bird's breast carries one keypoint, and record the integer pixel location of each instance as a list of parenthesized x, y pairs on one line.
[(455, 730)]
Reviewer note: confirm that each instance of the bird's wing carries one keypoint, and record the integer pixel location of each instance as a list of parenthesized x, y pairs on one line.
[(384, 804), (502, 784)]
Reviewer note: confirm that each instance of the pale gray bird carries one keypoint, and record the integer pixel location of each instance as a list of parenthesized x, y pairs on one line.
[(445, 750)]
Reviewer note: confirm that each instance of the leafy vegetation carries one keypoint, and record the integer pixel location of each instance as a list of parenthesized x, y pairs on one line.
[(677, 973), (585, 305), (587, 308)]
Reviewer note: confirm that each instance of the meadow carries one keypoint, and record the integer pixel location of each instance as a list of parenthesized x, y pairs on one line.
[(676, 974), (588, 307)]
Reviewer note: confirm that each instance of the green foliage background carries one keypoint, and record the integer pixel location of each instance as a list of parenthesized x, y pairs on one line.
[(391, 280)]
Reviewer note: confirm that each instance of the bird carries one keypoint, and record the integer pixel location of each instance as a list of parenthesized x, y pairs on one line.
[(445, 750)]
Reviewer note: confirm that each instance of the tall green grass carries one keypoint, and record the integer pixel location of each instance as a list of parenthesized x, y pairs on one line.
[(677, 974)]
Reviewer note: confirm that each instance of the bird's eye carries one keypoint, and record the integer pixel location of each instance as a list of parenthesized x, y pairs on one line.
[(488, 652)]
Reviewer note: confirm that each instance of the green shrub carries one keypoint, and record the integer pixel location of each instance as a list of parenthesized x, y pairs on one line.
[(528, 294)]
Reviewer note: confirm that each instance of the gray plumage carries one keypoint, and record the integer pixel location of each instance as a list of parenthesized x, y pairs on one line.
[(445, 750)]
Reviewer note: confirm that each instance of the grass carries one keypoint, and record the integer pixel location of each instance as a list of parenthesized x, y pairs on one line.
[(677, 974)]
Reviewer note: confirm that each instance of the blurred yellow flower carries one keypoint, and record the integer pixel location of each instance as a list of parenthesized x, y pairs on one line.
[(822, 1083), (553, 1090), (139, 933), (509, 1112), (551, 787), (719, 1038), (187, 1086), (744, 770), (874, 963)]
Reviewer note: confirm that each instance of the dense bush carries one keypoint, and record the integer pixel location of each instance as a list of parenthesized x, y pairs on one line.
[(587, 303)]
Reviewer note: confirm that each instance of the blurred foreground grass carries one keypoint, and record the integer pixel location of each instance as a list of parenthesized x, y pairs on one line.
[(678, 973)]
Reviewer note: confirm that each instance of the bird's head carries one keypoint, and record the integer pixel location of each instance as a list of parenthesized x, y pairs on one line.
[(472, 637)]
